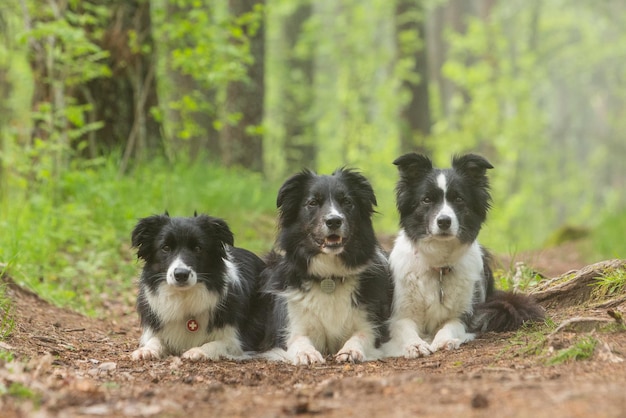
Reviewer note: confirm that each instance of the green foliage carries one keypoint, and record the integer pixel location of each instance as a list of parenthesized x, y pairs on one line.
[(519, 79), (202, 41), (7, 322), (607, 237), (20, 391), (60, 46), (610, 283), (530, 339), (581, 350), (69, 239), (519, 277), (6, 357)]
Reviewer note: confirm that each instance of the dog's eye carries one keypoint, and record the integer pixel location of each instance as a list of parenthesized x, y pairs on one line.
[(459, 199), (166, 249), (346, 201), (427, 200), (312, 202), (197, 249)]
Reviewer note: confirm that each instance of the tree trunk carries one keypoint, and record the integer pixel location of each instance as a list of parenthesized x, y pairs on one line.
[(241, 140), (125, 99), (415, 119), (300, 149)]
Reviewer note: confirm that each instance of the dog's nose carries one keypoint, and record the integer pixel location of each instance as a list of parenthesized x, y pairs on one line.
[(444, 222), (334, 222), (181, 274)]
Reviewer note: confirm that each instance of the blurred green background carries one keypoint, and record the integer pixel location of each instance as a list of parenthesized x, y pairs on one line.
[(112, 111)]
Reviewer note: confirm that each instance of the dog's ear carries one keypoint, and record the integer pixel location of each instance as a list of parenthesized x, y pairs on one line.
[(413, 166), (291, 194), (471, 165), (360, 187), (216, 227), (145, 232)]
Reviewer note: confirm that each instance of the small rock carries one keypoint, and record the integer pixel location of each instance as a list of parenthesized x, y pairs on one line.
[(108, 366), (480, 401)]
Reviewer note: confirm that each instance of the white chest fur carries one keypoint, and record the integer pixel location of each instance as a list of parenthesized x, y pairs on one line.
[(328, 319), (175, 308), (422, 293)]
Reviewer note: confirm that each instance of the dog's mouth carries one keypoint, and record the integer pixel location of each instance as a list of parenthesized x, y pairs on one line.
[(333, 241)]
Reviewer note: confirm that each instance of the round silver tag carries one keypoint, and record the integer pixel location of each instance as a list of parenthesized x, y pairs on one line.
[(327, 285)]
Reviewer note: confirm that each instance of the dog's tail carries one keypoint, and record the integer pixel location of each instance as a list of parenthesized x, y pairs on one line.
[(505, 311)]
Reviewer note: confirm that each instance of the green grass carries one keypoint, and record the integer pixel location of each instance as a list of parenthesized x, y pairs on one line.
[(7, 322), (525, 277), (530, 339), (581, 350), (68, 239), (533, 340), (20, 391), (610, 283), (67, 236), (6, 356)]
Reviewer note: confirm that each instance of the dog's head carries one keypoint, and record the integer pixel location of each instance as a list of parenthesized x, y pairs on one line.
[(325, 213), (182, 251), (443, 204)]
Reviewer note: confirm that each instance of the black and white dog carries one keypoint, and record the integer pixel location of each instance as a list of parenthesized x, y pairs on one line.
[(444, 288), (196, 290), (328, 276)]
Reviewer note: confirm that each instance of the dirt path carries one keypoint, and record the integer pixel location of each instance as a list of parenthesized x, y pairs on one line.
[(76, 366)]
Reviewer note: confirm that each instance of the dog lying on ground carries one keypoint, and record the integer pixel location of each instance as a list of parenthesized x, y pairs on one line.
[(196, 291), (328, 279), (444, 288)]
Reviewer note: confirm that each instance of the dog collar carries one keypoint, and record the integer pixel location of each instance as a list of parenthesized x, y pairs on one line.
[(442, 272), (328, 284)]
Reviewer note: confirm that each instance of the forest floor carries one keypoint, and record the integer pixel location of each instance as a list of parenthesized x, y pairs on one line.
[(70, 365)]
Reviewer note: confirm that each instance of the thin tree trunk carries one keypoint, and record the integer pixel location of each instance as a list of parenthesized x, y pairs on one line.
[(300, 149), (415, 119), (241, 141)]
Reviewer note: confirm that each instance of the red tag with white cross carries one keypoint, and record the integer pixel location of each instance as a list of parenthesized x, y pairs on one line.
[(192, 325)]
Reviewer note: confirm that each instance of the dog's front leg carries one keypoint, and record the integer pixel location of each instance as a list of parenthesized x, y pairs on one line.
[(451, 336), (150, 349), (356, 348), (225, 345), (300, 350), (405, 340)]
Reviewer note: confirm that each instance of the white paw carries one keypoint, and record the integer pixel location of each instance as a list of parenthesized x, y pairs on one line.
[(350, 356), (145, 353), (451, 344), (195, 354), (418, 349), (306, 357)]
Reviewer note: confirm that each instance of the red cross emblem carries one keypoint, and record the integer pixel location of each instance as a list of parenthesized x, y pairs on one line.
[(192, 325)]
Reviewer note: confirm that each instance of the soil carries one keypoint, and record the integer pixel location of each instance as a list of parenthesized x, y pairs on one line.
[(69, 365)]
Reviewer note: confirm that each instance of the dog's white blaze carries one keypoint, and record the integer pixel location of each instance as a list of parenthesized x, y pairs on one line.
[(328, 320), (334, 212), (178, 263), (417, 313), (446, 210), (442, 183)]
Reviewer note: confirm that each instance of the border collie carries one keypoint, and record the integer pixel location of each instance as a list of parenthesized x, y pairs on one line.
[(444, 288), (195, 289), (328, 276)]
